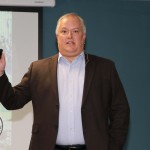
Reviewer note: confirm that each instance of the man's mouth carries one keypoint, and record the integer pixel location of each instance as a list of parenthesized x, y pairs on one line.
[(70, 42)]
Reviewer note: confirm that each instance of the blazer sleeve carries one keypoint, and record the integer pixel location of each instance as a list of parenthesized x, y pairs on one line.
[(14, 97), (119, 113)]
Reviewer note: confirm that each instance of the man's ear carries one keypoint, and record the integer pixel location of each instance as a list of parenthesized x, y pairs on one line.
[(56, 36), (84, 38)]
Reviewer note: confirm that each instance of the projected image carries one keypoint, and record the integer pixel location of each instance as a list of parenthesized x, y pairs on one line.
[(6, 45), (19, 39)]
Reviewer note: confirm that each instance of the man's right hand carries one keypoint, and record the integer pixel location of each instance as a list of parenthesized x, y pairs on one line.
[(2, 64)]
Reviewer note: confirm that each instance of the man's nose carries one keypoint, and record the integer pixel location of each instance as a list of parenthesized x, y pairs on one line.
[(69, 34)]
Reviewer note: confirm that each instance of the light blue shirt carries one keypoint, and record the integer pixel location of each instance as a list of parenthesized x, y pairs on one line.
[(70, 87)]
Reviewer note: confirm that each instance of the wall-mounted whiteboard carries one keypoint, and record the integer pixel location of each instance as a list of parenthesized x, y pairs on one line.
[(19, 38)]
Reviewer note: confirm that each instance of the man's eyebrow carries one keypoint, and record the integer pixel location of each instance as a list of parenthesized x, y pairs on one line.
[(63, 28)]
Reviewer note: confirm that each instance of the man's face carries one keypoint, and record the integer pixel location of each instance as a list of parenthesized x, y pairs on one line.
[(70, 37)]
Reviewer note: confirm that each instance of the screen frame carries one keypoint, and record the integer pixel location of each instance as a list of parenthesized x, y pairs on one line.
[(39, 10)]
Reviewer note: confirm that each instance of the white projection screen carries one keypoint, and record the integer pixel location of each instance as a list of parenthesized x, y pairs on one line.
[(19, 38)]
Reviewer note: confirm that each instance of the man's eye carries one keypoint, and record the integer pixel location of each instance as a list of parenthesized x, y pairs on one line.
[(76, 31), (63, 31)]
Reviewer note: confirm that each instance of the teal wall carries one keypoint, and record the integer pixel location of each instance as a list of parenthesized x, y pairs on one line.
[(119, 30)]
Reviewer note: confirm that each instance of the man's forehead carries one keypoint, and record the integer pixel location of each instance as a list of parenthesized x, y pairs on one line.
[(74, 22), (70, 19)]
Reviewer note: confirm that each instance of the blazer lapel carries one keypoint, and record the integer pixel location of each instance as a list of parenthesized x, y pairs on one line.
[(89, 72), (53, 76)]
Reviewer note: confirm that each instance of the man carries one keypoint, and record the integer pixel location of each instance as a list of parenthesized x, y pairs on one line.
[(78, 100)]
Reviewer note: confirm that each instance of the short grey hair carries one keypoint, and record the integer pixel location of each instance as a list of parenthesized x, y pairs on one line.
[(70, 14)]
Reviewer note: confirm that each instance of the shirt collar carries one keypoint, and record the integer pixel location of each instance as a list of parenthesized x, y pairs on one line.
[(80, 55)]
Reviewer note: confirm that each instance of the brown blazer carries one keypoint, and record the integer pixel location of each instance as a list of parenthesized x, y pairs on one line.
[(105, 110)]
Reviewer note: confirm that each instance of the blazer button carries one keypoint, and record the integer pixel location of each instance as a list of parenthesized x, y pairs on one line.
[(84, 131), (83, 110), (57, 106), (56, 126)]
